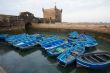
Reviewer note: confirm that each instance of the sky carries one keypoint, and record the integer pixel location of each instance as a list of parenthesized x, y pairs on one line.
[(73, 10)]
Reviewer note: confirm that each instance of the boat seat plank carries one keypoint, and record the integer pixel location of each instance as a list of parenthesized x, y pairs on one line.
[(94, 59), (100, 58), (108, 55), (87, 59)]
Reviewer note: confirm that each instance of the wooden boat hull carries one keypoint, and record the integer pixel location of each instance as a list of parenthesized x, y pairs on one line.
[(70, 55), (63, 63), (97, 60), (48, 40), (58, 50), (89, 44), (54, 44), (23, 41), (73, 35), (86, 39), (3, 36)]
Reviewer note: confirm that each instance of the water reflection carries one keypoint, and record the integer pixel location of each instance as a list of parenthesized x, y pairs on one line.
[(68, 69), (6, 47), (50, 59), (87, 70), (26, 52)]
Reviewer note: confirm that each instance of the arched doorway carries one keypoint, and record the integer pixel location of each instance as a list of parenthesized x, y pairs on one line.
[(28, 26)]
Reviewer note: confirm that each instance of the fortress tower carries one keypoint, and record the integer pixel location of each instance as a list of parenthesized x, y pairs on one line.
[(52, 14)]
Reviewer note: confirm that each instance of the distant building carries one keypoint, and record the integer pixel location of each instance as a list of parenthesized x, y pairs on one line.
[(9, 21), (25, 19), (52, 15)]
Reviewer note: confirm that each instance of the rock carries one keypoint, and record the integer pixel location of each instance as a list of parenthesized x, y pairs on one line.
[(2, 70)]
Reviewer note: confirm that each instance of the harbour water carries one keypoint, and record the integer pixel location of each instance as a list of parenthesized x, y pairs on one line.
[(36, 60)]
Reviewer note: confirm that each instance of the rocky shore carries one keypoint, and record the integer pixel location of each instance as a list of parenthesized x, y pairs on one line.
[(2, 70), (13, 30)]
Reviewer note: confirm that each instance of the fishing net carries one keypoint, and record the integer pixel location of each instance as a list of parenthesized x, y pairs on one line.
[(59, 49)]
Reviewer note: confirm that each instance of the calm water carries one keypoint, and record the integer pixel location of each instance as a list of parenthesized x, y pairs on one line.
[(35, 60)]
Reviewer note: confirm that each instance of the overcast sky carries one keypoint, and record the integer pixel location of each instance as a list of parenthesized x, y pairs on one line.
[(73, 10)]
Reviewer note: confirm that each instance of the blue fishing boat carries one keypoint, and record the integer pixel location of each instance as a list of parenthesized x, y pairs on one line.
[(54, 44), (73, 35), (15, 37), (90, 43), (60, 49), (73, 40), (23, 41), (88, 40), (3, 36), (94, 60), (69, 56), (85, 37), (39, 35), (48, 40), (26, 43)]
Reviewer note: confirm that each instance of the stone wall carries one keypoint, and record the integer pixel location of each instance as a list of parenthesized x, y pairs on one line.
[(96, 27), (16, 27), (97, 30), (10, 22)]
